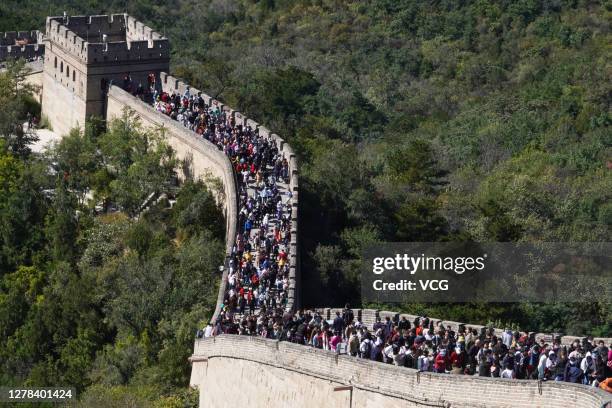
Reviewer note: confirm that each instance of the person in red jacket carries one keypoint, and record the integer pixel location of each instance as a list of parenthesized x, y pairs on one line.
[(440, 361), (457, 357)]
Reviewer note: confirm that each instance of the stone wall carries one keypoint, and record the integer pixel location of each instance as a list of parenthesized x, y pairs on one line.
[(171, 85), (62, 106), (12, 37), (64, 88), (258, 372), (79, 66), (82, 36), (368, 317), (28, 52), (21, 44), (204, 159)]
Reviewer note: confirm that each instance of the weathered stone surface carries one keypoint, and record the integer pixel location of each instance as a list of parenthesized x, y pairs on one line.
[(264, 373), (206, 161)]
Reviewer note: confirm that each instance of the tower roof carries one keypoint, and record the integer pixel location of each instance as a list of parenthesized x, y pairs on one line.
[(100, 38)]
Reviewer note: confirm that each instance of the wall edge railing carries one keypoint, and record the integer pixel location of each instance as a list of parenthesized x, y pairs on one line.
[(424, 385)]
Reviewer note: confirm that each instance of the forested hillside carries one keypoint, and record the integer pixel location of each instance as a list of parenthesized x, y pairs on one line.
[(102, 300), (422, 121), (413, 121)]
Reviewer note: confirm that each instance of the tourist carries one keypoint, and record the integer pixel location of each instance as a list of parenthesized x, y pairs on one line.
[(255, 302)]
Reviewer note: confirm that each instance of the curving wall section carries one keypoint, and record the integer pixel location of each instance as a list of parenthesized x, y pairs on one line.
[(295, 375), (171, 84), (207, 160), (259, 372), (204, 159)]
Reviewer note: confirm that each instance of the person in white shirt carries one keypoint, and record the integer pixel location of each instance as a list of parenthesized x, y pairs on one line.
[(507, 337), (423, 362), (388, 354), (208, 330), (507, 373), (586, 364), (542, 365), (365, 347)]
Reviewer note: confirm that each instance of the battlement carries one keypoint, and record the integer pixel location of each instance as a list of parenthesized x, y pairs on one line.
[(114, 38), (28, 52), (135, 30), (19, 38), (91, 28), (171, 84), (21, 44), (127, 51)]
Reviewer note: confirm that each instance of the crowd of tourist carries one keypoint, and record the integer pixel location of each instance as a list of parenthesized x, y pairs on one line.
[(256, 287), (258, 267), (429, 346)]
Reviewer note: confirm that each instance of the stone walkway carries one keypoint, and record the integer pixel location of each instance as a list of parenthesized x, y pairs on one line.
[(46, 138), (273, 222)]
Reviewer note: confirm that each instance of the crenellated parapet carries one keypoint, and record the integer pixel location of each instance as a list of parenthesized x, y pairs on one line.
[(19, 37), (127, 51), (58, 33), (369, 316), (135, 30), (21, 44), (114, 38), (28, 52)]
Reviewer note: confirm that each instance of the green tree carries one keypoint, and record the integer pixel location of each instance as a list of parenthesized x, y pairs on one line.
[(141, 163), (14, 92), (196, 210), (415, 166)]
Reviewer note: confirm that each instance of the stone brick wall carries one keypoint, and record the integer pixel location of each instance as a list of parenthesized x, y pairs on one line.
[(28, 52), (79, 65), (269, 373), (10, 37), (11, 49), (64, 84), (204, 158)]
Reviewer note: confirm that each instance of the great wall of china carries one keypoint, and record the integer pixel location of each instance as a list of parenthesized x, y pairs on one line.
[(21, 44), (256, 371)]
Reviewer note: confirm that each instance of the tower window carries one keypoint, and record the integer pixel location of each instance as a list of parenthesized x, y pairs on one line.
[(73, 76), (62, 66), (67, 71), (55, 65)]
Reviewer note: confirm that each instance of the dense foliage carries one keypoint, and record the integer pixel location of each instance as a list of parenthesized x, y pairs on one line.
[(423, 121), (414, 121), (104, 300)]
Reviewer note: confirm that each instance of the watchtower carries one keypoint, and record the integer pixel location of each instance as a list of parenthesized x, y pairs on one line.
[(83, 54)]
